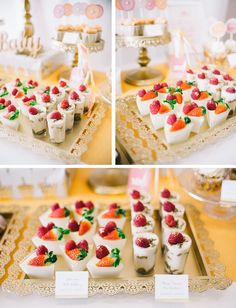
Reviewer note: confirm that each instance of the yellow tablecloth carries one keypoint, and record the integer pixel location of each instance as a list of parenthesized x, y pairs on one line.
[(223, 233)]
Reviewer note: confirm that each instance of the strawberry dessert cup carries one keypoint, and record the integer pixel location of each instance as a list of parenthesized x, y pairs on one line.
[(48, 102), (57, 94), (83, 230), (186, 88), (196, 115), (176, 252), (64, 87), (200, 97), (86, 95), (141, 196), (38, 119), (39, 264), (217, 113), (229, 96), (171, 224), (51, 237), (75, 99), (11, 118), (144, 99), (202, 82), (215, 88), (145, 246), (56, 126), (177, 129), (190, 76), (141, 208), (81, 208), (159, 112), (4, 104), (26, 103), (142, 223), (68, 110), (58, 215), (110, 236), (76, 255), (30, 86), (167, 195), (114, 213), (175, 100), (175, 209), (106, 264), (217, 74)]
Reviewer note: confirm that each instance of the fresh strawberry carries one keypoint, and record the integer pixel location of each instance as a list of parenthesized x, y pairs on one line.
[(70, 245), (187, 108), (113, 235), (113, 206), (65, 104), (135, 194), (179, 98), (74, 96), (14, 92), (30, 82), (56, 115), (110, 226), (101, 252), (84, 226), (89, 205), (73, 253), (46, 98), (33, 110), (227, 77), (83, 245), (11, 108), (140, 220), (62, 83), (189, 71), (41, 231), (195, 94), (171, 119), (102, 232), (214, 81), (211, 105), (2, 101), (164, 85), (205, 68), (82, 88), (49, 236), (216, 72), (170, 221), (141, 92), (155, 107), (164, 109), (79, 204), (41, 250), (165, 193), (73, 226), (58, 213), (25, 99), (142, 242), (157, 87), (220, 108), (105, 262), (38, 261), (168, 206), (35, 84), (203, 95), (50, 225), (201, 76), (179, 124), (196, 112), (55, 206), (230, 90), (176, 238), (8, 103), (170, 97), (55, 90), (138, 207), (149, 95)]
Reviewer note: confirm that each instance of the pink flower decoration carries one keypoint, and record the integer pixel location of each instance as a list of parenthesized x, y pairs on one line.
[(94, 11), (58, 11), (79, 8), (128, 5)]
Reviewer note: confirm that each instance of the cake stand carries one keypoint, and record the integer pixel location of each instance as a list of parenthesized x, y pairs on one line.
[(213, 206), (145, 75)]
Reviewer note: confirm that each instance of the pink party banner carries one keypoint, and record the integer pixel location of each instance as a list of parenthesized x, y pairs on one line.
[(139, 179)]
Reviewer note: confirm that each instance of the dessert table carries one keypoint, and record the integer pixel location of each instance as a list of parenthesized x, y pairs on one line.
[(223, 233)]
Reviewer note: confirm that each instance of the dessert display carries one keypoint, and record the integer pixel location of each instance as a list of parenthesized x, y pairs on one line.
[(68, 110), (10, 117), (56, 126), (115, 214), (38, 119), (56, 214), (176, 251), (40, 263), (177, 129), (106, 264), (210, 179), (217, 113)]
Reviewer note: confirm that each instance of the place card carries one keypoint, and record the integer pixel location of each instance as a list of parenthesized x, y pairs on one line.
[(228, 191), (171, 287), (71, 285), (71, 38)]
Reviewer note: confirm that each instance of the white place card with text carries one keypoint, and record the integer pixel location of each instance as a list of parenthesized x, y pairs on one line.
[(171, 287), (228, 191), (71, 285)]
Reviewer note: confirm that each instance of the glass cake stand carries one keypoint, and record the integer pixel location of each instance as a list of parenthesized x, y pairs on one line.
[(213, 206), (145, 75)]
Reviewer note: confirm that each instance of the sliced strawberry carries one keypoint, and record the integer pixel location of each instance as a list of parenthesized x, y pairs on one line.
[(149, 95), (73, 253), (179, 124), (58, 213), (179, 98), (113, 235), (196, 112), (164, 109), (203, 95), (38, 261), (105, 262), (185, 86), (19, 94), (163, 90), (84, 227), (49, 236), (111, 214), (220, 108)]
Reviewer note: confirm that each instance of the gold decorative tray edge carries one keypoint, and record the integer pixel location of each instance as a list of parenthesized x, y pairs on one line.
[(143, 155), (11, 234), (40, 147), (15, 283)]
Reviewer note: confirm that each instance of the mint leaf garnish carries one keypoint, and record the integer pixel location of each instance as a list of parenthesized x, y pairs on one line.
[(14, 115), (83, 254)]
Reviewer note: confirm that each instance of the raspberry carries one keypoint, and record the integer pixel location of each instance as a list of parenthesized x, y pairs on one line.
[(201, 76), (33, 110), (35, 84), (46, 98), (142, 242), (74, 95), (47, 88), (168, 206), (175, 238), (214, 81), (170, 221), (195, 94), (41, 231), (135, 194), (165, 193), (164, 85), (110, 226), (89, 205), (196, 90), (62, 83), (56, 115), (55, 206), (82, 88), (14, 92), (50, 225), (2, 101), (171, 119), (65, 104), (11, 108), (205, 68), (8, 103), (83, 245), (41, 250), (70, 245), (25, 99), (179, 83), (73, 225), (189, 71), (230, 90), (216, 72), (228, 77), (32, 98), (141, 93), (55, 90), (170, 97), (187, 108), (79, 204), (154, 107), (211, 105), (157, 87), (113, 206), (140, 220), (101, 251), (138, 207), (102, 232), (30, 82)]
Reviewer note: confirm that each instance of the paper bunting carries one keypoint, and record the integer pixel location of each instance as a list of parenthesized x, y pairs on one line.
[(92, 11), (68, 9), (79, 8), (128, 5), (161, 4), (150, 5), (217, 29), (231, 25), (58, 11)]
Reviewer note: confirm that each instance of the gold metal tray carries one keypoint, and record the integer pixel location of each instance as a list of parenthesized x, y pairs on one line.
[(76, 141), (203, 266), (148, 146), (14, 216)]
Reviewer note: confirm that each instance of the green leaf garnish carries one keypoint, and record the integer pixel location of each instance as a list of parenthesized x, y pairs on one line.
[(46, 91), (179, 90), (2, 106), (67, 212), (191, 83), (88, 211), (25, 90), (115, 254), (187, 120), (120, 212), (120, 233), (203, 110), (88, 217), (62, 232), (83, 254), (14, 115), (4, 93), (33, 103), (51, 258), (170, 90)]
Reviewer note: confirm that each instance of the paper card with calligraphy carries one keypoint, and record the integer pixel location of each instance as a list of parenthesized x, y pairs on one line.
[(139, 179)]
